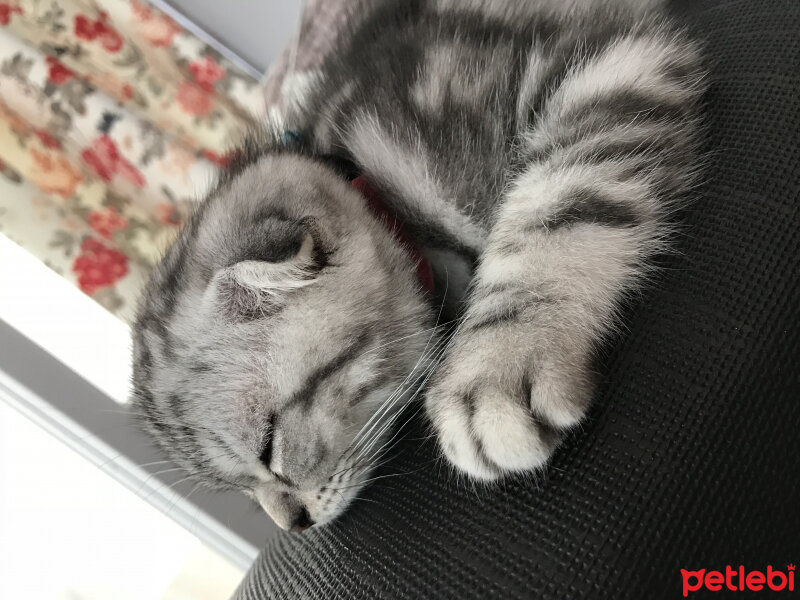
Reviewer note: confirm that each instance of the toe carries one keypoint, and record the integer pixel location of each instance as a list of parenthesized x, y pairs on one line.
[(451, 419), (509, 436)]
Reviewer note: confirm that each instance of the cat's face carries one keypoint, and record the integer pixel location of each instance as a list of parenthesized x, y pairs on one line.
[(278, 337)]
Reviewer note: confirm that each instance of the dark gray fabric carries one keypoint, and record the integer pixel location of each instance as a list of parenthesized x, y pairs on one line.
[(690, 457)]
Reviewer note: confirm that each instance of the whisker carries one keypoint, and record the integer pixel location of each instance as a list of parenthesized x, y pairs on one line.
[(379, 413), (367, 436), (367, 481), (153, 463), (410, 335), (427, 376), (162, 471), (165, 486), (186, 497), (419, 360)]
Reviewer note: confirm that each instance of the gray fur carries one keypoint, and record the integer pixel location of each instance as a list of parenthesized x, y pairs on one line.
[(533, 150)]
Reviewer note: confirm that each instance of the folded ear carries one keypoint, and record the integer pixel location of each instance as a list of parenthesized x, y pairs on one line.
[(258, 286)]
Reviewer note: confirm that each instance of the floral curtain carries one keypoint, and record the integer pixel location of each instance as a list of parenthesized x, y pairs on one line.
[(113, 120)]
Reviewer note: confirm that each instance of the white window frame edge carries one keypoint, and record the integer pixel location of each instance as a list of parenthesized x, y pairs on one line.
[(151, 489)]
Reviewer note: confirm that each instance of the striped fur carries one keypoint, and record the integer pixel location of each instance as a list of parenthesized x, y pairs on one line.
[(534, 151)]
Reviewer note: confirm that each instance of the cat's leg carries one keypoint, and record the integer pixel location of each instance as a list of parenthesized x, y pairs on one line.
[(611, 148)]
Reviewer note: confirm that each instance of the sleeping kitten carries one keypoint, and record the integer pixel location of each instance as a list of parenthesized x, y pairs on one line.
[(516, 163)]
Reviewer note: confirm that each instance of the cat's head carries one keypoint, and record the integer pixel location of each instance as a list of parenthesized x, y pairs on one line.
[(279, 335)]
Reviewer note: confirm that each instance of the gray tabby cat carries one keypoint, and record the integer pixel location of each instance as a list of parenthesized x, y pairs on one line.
[(532, 152)]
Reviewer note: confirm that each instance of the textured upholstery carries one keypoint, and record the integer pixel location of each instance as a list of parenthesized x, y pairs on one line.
[(690, 456)]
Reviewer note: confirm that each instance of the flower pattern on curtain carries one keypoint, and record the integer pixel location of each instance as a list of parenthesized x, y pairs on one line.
[(113, 120)]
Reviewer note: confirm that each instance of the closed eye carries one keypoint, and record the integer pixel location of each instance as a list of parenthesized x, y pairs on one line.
[(266, 451)]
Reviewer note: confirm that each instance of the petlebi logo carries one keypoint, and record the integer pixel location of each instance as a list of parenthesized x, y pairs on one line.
[(738, 580)]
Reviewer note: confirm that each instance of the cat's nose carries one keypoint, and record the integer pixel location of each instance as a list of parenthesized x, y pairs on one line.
[(302, 521), (288, 512)]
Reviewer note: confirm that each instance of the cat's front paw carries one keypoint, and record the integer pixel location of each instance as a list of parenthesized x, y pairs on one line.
[(498, 412)]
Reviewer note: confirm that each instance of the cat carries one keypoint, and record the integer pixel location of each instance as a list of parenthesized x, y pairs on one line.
[(516, 165)]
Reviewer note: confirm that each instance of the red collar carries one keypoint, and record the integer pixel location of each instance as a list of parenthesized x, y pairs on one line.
[(379, 209)]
